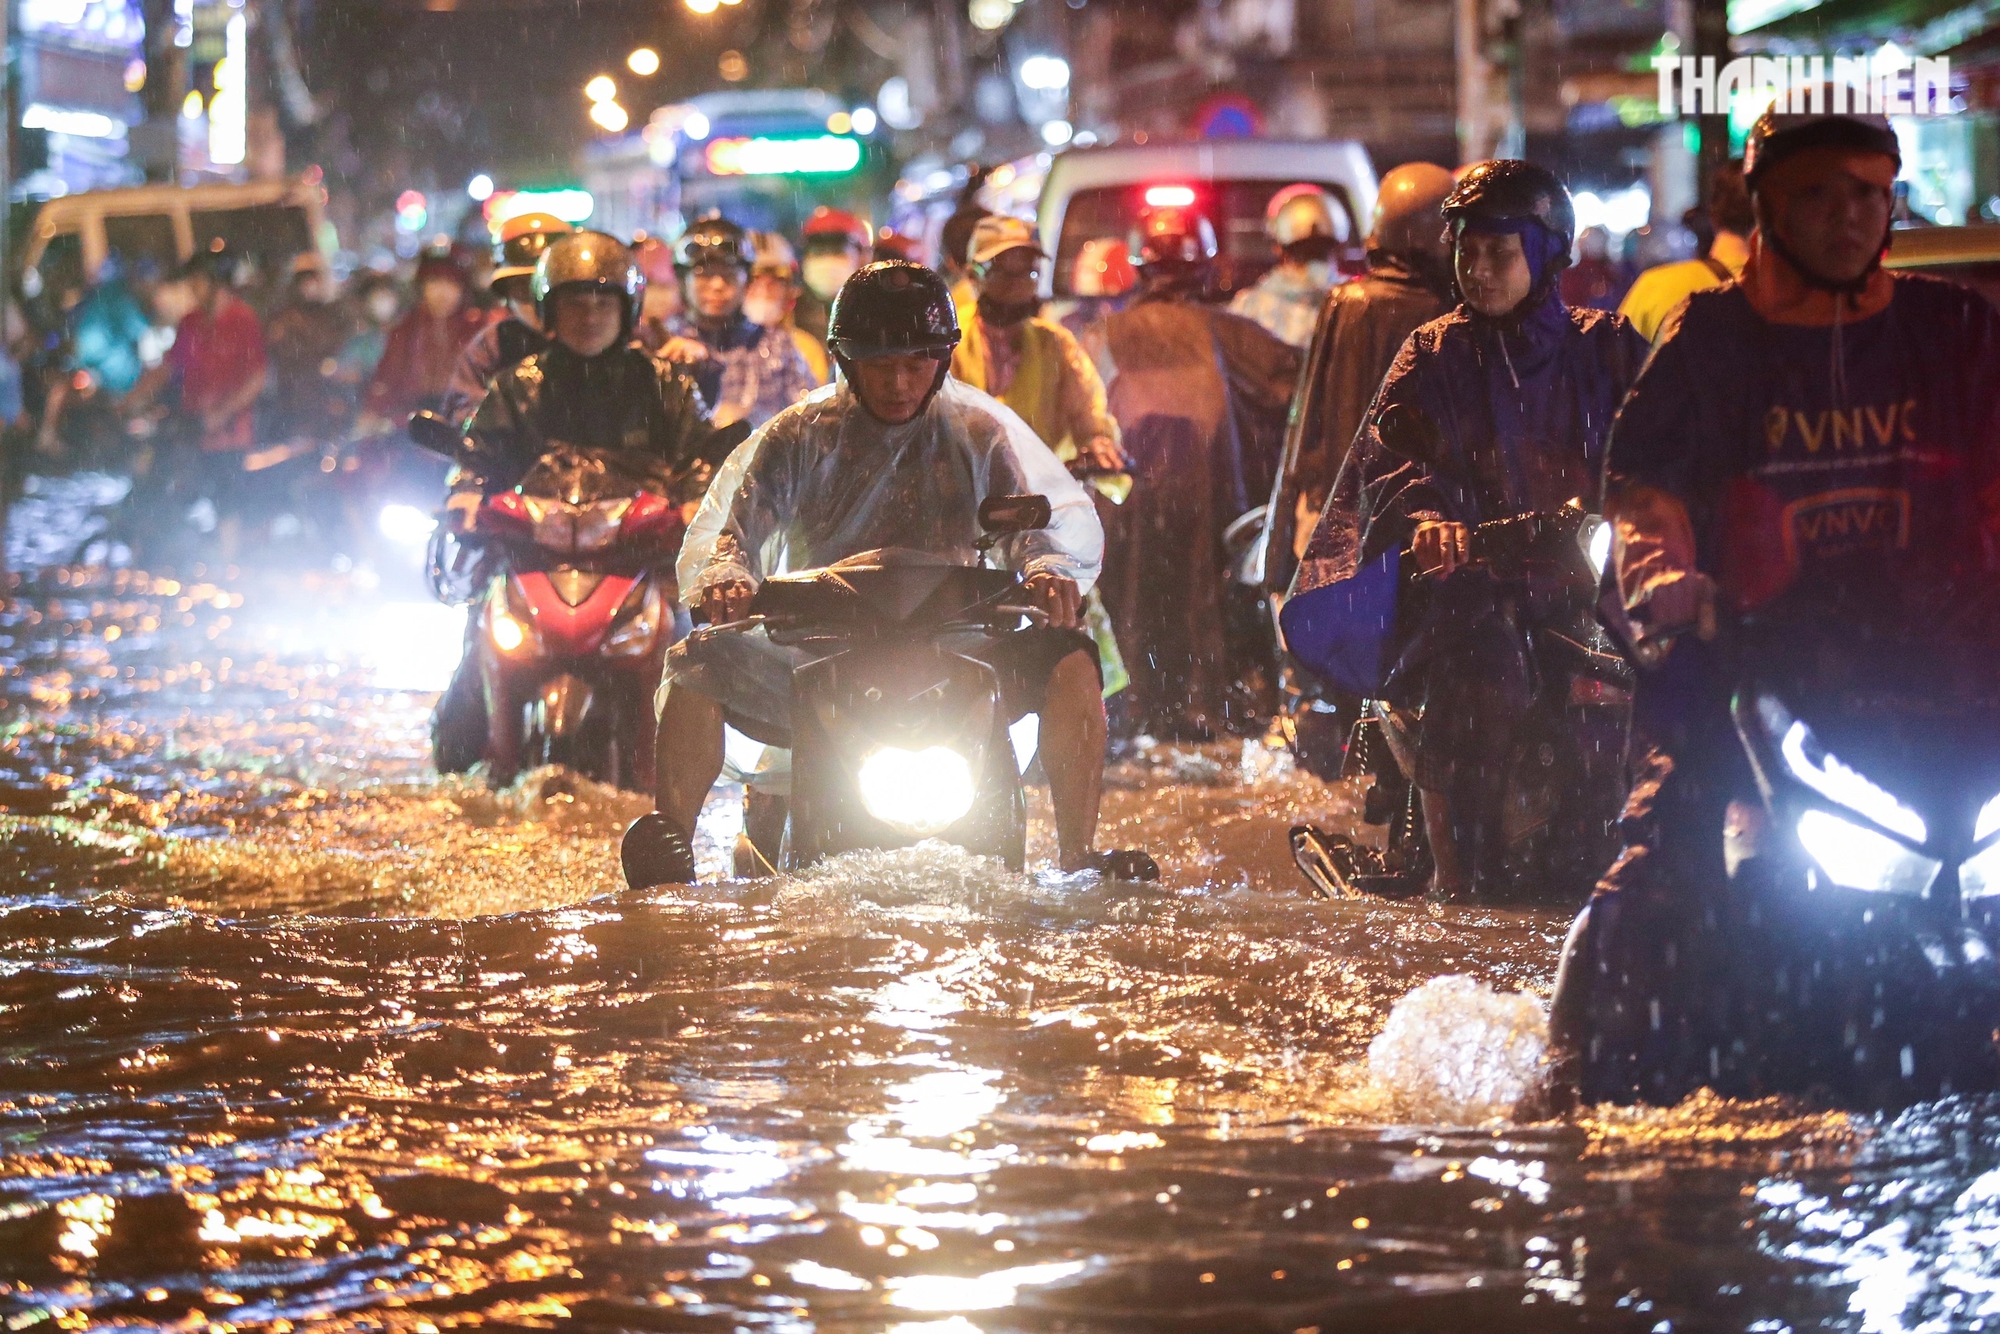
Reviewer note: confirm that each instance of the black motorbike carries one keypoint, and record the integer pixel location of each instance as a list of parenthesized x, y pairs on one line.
[(898, 734), (1846, 945), (1565, 776)]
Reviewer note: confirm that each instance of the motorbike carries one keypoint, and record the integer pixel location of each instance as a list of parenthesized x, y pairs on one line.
[(1565, 773), (570, 580), (897, 736), (1847, 944)]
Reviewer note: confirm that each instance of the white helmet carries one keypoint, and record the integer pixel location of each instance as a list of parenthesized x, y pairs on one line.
[(1301, 212)]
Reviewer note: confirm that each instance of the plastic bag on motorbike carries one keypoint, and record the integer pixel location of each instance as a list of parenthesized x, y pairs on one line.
[(1345, 630), (825, 480)]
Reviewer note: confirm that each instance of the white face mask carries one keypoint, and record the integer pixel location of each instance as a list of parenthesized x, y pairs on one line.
[(382, 306), (768, 311), (824, 274)]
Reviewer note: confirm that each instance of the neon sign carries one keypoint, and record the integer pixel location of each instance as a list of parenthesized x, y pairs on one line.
[(823, 155)]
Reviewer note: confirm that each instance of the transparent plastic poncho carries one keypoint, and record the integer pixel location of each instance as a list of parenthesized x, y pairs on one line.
[(824, 480)]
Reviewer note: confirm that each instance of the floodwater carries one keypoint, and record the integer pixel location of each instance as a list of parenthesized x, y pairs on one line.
[(293, 1034)]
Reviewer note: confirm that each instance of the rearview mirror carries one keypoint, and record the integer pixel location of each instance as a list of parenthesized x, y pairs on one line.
[(1000, 515), (432, 432)]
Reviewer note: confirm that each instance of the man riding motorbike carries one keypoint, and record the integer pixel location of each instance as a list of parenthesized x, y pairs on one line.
[(591, 388), (519, 334), (1307, 227), (1200, 396), (1362, 326), (897, 454), (1512, 395), (747, 372), (1819, 434)]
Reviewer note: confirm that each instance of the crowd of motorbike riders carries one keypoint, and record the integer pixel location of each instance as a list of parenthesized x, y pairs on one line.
[(1595, 611)]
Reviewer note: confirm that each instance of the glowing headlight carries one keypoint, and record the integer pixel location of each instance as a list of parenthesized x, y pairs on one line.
[(1979, 875), (1857, 858), (917, 791), (405, 524), (1595, 538), (508, 633), (1811, 765)]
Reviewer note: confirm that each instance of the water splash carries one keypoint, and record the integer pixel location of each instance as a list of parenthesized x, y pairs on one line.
[(1459, 1052)]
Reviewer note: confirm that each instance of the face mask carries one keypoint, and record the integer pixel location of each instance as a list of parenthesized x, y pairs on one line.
[(765, 310), (382, 306), (824, 274)]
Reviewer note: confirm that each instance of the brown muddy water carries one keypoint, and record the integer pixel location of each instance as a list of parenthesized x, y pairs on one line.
[(294, 1035)]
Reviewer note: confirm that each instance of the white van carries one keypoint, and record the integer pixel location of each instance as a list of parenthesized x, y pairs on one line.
[(1098, 192), (270, 222)]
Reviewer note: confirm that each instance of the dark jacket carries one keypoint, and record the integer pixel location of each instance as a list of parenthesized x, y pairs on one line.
[(1521, 413), (1362, 325), (497, 347), (623, 401)]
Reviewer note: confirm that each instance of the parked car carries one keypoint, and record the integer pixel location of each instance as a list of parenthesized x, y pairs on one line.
[(1098, 192), (267, 222)]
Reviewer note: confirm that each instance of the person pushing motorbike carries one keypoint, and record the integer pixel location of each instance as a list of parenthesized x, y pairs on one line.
[(1499, 408), (897, 454), (520, 334), (592, 389), (746, 371), (1810, 464)]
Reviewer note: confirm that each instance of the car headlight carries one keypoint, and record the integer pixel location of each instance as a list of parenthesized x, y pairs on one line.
[(1595, 539), (920, 792), (1855, 857)]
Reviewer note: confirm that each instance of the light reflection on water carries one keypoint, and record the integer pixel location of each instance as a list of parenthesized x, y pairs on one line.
[(291, 1032)]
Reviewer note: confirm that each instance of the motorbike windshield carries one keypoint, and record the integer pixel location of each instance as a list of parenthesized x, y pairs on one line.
[(825, 481)]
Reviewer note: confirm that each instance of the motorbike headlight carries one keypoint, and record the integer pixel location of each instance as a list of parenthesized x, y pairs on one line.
[(1810, 763), (634, 636), (1595, 539), (507, 631), (1855, 857), (920, 792), (1979, 874)]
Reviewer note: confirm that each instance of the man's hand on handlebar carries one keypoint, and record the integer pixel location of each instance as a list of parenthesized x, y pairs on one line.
[(684, 351), (1101, 454), (1058, 596), (1441, 548), (727, 602), (1675, 602)]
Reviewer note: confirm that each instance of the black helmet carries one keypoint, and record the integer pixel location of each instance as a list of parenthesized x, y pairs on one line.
[(1173, 235), (1779, 134), (589, 259), (893, 308), (714, 241), (1508, 189)]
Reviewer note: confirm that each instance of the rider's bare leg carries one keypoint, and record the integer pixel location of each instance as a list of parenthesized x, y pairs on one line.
[(1072, 746), (1449, 878), (687, 756)]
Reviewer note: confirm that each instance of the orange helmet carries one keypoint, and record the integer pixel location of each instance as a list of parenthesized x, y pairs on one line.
[(522, 241), (1103, 268)]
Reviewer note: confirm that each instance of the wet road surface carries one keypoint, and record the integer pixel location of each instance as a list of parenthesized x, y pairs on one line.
[(293, 1034)]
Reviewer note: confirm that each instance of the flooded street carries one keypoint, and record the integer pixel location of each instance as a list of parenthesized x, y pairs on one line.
[(293, 1034)]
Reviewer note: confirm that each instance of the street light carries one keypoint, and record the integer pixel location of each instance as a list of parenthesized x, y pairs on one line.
[(1045, 73), (480, 188), (645, 62), (609, 115), (701, 6), (600, 89)]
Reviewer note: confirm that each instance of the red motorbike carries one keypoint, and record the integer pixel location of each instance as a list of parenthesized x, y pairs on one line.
[(570, 581)]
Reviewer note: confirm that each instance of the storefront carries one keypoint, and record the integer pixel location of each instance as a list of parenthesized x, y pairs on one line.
[(80, 69)]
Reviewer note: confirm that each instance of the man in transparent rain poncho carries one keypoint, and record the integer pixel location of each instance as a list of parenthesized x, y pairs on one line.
[(894, 454)]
